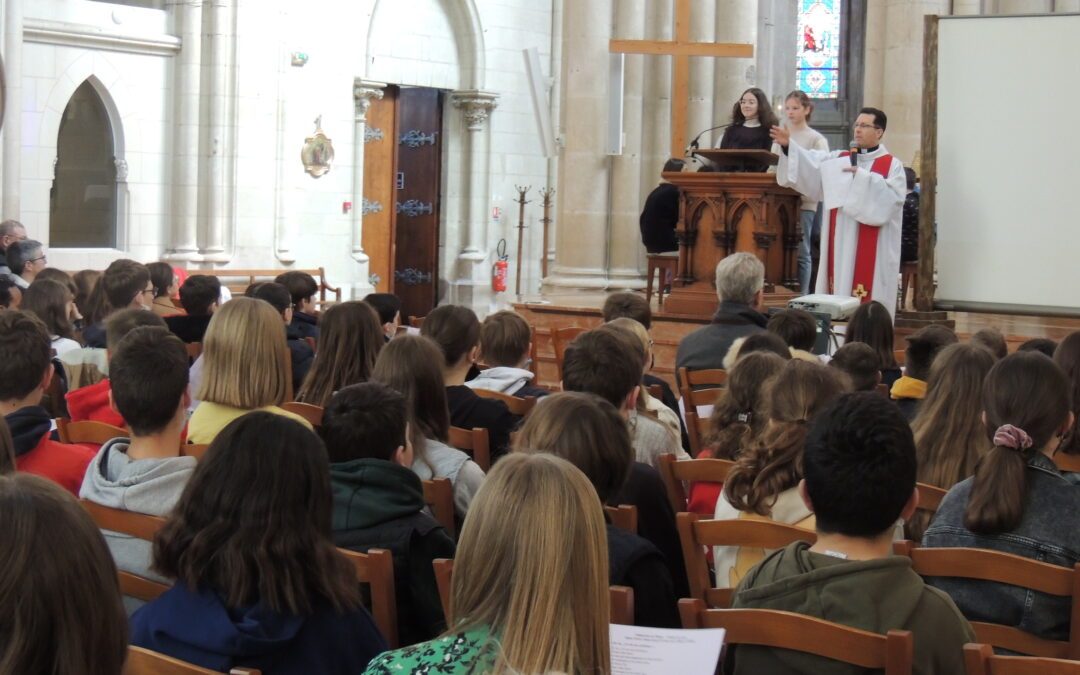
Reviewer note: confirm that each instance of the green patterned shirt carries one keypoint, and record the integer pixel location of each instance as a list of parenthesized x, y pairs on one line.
[(456, 654)]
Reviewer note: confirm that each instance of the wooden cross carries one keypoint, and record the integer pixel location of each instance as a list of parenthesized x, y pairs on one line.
[(681, 49)]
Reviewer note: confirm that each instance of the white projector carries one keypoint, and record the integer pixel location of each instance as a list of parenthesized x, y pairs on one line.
[(838, 307)]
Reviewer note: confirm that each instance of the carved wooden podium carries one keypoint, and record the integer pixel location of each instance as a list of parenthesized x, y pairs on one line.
[(721, 213)]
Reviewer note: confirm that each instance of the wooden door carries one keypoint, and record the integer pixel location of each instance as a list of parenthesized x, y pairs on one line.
[(377, 208), (416, 199)]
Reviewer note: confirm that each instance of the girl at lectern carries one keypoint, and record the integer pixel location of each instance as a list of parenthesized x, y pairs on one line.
[(751, 119)]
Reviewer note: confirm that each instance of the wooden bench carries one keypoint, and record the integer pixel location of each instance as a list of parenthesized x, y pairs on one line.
[(250, 276), (88, 431), (142, 661)]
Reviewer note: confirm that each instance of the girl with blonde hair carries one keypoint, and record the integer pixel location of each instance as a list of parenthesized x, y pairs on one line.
[(245, 368), (350, 337), (530, 587), (646, 403)]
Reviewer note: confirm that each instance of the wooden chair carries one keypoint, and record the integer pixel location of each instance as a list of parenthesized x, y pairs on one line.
[(194, 350), (660, 263), (246, 277), (901, 357), (376, 569), (560, 340), (930, 497), (697, 430), (1067, 462), (697, 533), (676, 472), (87, 431), (712, 380), (1005, 568), (622, 597), (196, 450), (439, 496), (623, 516), (893, 652), (520, 406), (656, 391), (312, 413), (138, 525), (979, 659), (142, 661), (473, 442)]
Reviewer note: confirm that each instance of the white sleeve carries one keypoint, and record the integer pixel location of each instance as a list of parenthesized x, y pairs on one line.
[(469, 479), (800, 169), (874, 200)]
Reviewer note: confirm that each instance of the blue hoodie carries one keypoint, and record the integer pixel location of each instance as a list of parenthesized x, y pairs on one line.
[(197, 627)]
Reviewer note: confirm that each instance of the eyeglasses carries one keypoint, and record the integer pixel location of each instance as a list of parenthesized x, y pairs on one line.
[(867, 126), (148, 290), (42, 259)]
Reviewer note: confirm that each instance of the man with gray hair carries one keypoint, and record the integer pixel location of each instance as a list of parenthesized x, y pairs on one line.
[(740, 287), (26, 258), (11, 231)]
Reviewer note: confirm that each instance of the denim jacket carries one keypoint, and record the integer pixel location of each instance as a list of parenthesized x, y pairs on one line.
[(1048, 532)]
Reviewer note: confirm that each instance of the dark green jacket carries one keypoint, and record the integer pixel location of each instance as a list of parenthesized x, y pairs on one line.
[(873, 595), (378, 504)]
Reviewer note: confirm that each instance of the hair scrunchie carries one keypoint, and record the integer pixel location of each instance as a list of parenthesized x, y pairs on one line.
[(1008, 436)]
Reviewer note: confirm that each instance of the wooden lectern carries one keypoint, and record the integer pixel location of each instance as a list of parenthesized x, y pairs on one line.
[(721, 213)]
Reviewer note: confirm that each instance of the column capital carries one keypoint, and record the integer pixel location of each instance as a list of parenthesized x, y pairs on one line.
[(364, 91), (476, 105)]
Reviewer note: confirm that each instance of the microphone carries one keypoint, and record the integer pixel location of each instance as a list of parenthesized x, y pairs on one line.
[(694, 145), (853, 149)]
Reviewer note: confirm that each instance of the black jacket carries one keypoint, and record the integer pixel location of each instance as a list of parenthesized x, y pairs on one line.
[(94, 335), (658, 219), (304, 325), (644, 489), (188, 328), (706, 347), (378, 504), (468, 410), (636, 563), (301, 355)]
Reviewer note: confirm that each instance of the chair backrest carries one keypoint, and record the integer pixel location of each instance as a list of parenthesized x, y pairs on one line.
[(930, 497), (1067, 462), (560, 340), (894, 652), (376, 569), (138, 525), (1006, 568), (312, 413), (622, 597), (87, 431), (439, 496), (696, 533), (142, 588), (675, 472), (711, 380), (196, 450), (623, 516), (473, 442), (979, 659), (517, 405), (142, 661), (697, 430)]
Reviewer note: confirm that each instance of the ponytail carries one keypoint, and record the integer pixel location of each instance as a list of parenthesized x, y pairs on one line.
[(996, 502)]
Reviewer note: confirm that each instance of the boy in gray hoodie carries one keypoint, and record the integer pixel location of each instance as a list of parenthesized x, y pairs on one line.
[(505, 344), (859, 468), (144, 473)]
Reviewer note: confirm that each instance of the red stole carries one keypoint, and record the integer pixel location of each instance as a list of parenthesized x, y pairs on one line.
[(862, 282)]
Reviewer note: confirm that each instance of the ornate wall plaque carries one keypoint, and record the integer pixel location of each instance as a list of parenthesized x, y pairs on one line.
[(415, 138), (413, 208), (318, 152)]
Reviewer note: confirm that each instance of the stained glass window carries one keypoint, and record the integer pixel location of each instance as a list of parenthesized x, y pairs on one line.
[(818, 50)]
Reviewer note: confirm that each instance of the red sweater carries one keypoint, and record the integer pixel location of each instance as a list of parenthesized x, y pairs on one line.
[(92, 403), (62, 463)]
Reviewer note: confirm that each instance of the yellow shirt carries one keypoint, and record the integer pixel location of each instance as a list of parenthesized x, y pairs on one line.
[(210, 418)]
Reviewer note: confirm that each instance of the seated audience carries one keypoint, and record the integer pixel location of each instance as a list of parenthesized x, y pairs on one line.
[(859, 466), (143, 472), (530, 587), (923, 347), (860, 363), (10, 294), (166, 288), (1044, 346), (53, 303), (608, 363), (379, 501), (61, 599), (505, 348), (737, 421), (200, 295), (797, 328), (26, 258), (1017, 501), (1067, 357), (740, 284), (243, 368), (301, 353), (950, 436), (349, 342), (588, 432), (85, 281), (993, 340), (457, 332), (26, 370), (259, 582), (94, 401), (412, 365), (629, 305), (124, 284), (764, 483), (872, 324), (646, 403), (388, 307), (302, 289), (766, 342)]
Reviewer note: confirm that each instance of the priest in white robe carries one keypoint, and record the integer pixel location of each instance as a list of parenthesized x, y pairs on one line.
[(860, 232)]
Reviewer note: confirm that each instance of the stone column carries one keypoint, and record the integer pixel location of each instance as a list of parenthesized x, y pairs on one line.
[(700, 108), (736, 21), (12, 147), (364, 92), (473, 279), (1066, 6), (656, 106), (183, 228), (582, 199), (213, 245)]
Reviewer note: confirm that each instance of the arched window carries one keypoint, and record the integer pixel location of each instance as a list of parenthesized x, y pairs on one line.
[(82, 202)]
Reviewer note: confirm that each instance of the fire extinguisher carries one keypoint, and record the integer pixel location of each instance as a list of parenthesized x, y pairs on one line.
[(500, 268)]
